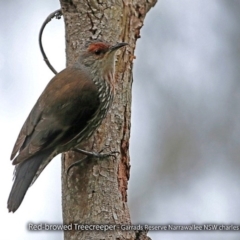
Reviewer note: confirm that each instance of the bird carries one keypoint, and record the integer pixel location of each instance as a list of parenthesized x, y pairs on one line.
[(68, 111)]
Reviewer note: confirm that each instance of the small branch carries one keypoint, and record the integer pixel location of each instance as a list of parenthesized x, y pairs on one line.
[(56, 14)]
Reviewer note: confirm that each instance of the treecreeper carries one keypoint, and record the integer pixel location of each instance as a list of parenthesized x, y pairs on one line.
[(68, 111)]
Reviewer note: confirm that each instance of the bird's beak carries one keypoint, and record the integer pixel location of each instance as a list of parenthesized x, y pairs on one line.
[(117, 46)]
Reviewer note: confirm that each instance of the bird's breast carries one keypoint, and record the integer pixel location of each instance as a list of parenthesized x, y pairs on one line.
[(105, 93)]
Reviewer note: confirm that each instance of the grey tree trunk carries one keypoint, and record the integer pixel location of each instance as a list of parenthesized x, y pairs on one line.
[(96, 191)]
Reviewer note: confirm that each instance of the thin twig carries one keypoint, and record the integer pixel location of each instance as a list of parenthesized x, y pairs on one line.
[(57, 14)]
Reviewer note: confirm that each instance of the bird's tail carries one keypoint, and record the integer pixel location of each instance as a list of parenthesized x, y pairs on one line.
[(25, 172)]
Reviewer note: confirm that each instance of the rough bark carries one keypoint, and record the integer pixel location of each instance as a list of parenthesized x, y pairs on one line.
[(96, 191)]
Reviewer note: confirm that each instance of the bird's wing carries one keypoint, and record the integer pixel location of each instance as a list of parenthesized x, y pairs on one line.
[(69, 100), (27, 129)]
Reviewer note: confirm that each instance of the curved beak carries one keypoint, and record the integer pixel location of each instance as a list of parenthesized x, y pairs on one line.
[(117, 46)]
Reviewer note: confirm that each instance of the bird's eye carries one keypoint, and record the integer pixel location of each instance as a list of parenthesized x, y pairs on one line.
[(97, 52)]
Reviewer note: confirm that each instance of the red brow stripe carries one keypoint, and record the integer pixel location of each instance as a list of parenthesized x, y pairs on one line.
[(97, 46)]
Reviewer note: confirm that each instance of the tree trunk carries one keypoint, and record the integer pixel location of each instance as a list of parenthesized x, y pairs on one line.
[(96, 191)]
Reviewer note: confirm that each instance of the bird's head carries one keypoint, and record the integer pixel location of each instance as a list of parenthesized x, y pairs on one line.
[(99, 54)]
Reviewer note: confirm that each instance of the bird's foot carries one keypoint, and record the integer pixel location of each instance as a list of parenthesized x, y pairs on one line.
[(75, 164), (99, 155)]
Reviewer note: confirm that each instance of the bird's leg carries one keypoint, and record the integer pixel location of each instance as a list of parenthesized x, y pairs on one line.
[(99, 155)]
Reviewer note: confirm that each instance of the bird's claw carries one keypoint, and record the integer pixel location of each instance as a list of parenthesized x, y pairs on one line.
[(105, 155), (98, 155), (75, 164), (106, 147)]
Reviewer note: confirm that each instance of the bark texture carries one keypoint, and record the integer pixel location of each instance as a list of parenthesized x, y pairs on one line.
[(96, 191)]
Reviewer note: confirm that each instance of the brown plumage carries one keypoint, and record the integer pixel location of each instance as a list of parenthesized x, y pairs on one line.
[(68, 111)]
